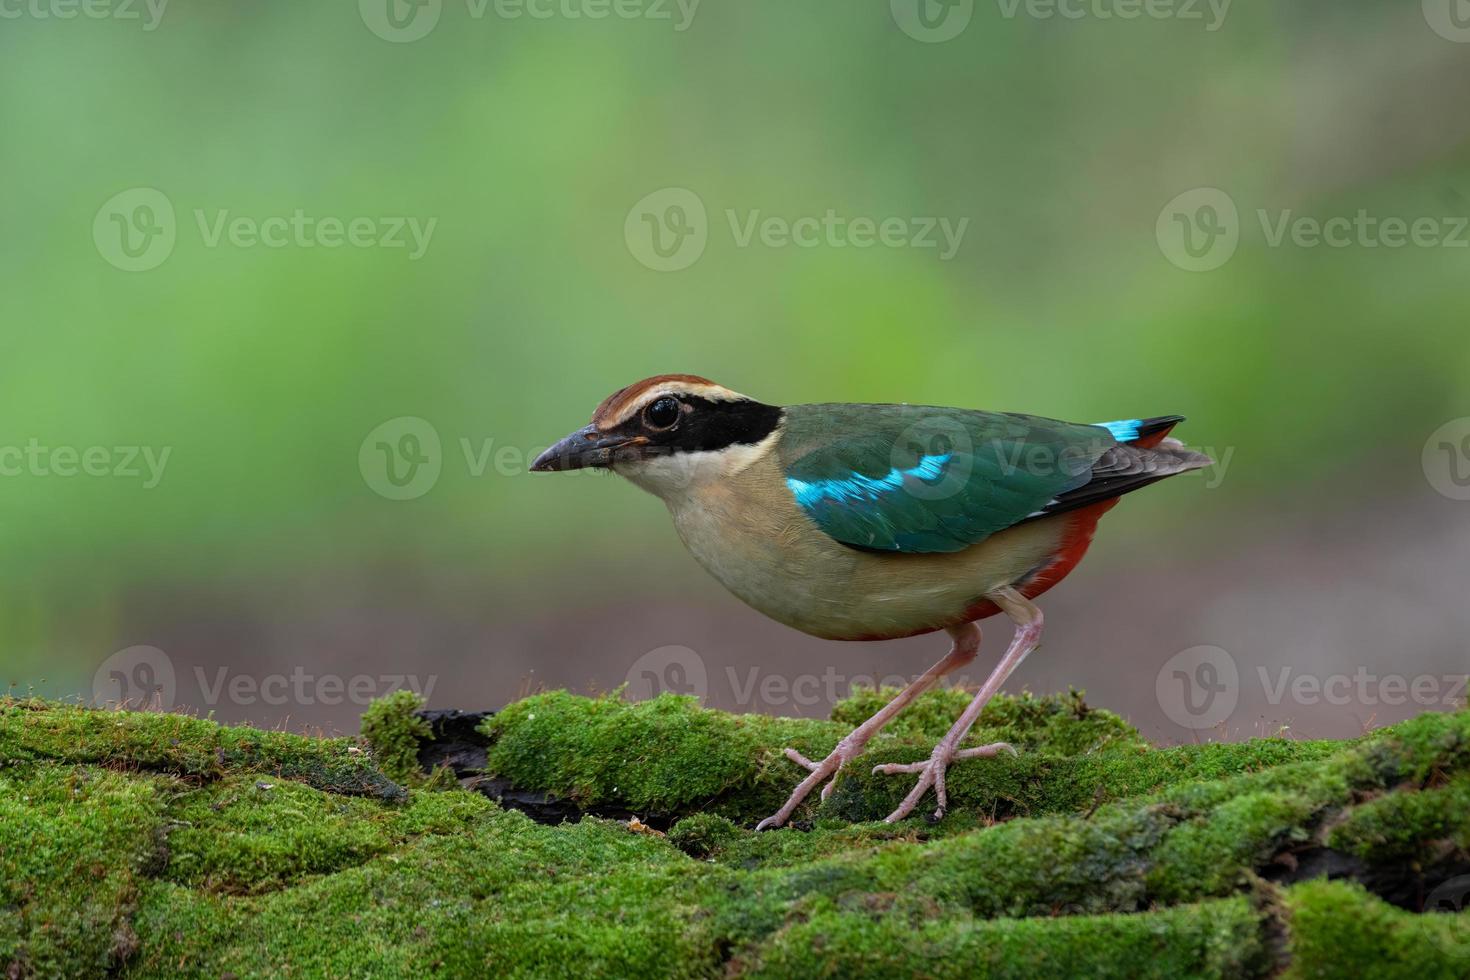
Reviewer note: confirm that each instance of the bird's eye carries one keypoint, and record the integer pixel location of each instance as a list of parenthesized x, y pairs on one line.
[(663, 413)]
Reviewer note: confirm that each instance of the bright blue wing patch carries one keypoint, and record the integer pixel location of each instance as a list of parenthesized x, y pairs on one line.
[(924, 480), (858, 488), (1124, 430)]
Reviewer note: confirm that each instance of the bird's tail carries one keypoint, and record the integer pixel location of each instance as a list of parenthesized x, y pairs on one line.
[(1142, 433)]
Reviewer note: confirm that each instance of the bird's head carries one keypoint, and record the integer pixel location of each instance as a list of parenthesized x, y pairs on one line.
[(669, 434)]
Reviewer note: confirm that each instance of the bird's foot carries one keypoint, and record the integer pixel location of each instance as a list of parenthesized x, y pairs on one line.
[(847, 749), (931, 773)]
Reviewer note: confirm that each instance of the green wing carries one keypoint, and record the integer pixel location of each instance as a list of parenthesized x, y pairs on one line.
[(916, 479)]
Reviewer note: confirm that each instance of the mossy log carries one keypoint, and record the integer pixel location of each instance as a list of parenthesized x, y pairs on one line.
[(144, 845)]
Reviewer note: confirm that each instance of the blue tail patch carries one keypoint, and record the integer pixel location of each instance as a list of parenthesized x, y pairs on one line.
[(1124, 430)]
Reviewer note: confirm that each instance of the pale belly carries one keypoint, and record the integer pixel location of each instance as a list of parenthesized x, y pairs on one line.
[(781, 564)]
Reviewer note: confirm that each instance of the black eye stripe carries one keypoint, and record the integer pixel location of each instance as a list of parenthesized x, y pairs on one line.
[(703, 425)]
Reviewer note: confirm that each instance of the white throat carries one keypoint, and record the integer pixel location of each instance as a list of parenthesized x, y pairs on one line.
[(676, 476)]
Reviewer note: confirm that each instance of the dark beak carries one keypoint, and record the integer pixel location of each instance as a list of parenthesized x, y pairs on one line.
[(587, 447)]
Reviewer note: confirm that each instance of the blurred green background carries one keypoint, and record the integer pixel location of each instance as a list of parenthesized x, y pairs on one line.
[(264, 547)]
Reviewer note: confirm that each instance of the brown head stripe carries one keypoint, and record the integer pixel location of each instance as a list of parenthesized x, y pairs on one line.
[(616, 406)]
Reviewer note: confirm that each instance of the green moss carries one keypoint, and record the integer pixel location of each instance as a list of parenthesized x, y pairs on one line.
[(244, 834), (1409, 827), (1033, 784), (668, 756), (1340, 931), (198, 858), (502, 896), (176, 744), (1210, 854), (861, 937), (703, 835), (391, 728), (662, 756), (1058, 724), (74, 843), (717, 839)]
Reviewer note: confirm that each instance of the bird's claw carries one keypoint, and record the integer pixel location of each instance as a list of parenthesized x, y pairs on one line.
[(802, 760), (826, 770), (932, 772)]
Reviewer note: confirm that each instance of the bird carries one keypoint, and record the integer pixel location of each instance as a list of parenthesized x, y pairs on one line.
[(876, 521)]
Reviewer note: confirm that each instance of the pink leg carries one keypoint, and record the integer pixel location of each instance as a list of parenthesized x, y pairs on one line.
[(1028, 622), (966, 645)]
